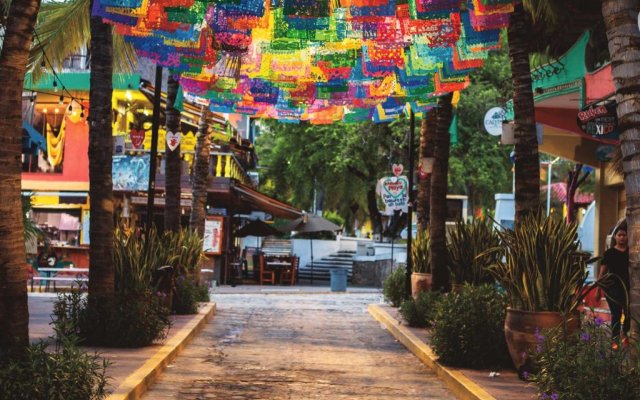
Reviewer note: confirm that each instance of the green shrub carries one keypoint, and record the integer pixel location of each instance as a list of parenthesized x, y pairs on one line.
[(420, 313), (128, 320), (62, 373), (421, 252), (394, 287), (468, 328), (586, 367), (467, 242), (202, 294), (185, 297)]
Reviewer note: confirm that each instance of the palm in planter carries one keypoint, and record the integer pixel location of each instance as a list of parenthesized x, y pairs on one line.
[(541, 268), (420, 255), (467, 242)]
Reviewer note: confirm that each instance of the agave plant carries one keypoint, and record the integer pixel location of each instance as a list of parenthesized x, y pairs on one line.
[(420, 252), (539, 265), (467, 242)]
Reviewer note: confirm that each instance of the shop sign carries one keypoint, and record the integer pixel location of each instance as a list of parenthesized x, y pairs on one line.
[(493, 121), (212, 238), (394, 192), (599, 121)]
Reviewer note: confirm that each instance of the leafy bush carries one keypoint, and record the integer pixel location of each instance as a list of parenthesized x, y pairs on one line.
[(394, 287), (466, 244), (540, 265), (420, 252), (420, 312), (468, 328), (202, 294), (64, 373), (185, 298), (128, 320), (586, 367)]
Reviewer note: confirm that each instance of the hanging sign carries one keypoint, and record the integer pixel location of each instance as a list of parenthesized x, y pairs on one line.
[(397, 169), (212, 238), (600, 121), (137, 137), (394, 192), (173, 140), (493, 121), (425, 167)]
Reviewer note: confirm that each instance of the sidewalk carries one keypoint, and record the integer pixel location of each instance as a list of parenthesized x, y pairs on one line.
[(132, 370), (464, 383)]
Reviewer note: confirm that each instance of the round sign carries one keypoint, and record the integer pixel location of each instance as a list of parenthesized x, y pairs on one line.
[(493, 121)]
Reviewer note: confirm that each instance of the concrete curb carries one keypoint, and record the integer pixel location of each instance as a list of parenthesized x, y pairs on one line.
[(461, 386), (139, 381)]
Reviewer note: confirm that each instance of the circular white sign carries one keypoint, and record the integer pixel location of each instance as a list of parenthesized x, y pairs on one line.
[(493, 121)]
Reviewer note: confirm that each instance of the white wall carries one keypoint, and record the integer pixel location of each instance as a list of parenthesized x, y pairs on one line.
[(321, 248)]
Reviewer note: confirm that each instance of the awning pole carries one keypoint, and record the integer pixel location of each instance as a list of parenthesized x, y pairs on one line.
[(154, 146)]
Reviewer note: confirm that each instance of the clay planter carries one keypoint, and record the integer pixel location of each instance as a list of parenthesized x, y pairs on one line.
[(420, 282), (520, 332), (457, 287)]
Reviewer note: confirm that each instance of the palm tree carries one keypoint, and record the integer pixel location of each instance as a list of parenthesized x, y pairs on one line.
[(620, 17), (439, 186), (427, 130), (527, 162), (14, 311), (173, 163), (200, 174)]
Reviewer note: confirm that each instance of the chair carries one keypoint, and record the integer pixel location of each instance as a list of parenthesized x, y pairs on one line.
[(290, 274), (266, 275)]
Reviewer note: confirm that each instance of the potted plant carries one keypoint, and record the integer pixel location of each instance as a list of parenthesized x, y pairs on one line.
[(421, 264), (543, 273), (467, 262)]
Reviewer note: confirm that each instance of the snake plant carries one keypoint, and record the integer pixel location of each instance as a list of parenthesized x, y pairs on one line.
[(466, 244), (420, 252)]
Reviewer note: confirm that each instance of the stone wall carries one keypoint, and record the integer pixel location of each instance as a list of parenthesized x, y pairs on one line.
[(370, 272)]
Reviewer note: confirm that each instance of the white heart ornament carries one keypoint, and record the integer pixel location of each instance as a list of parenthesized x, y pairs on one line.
[(173, 140)]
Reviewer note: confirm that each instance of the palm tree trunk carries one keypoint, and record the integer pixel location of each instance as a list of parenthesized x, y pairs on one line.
[(14, 311), (173, 164), (424, 184), (527, 161), (620, 18), (200, 175), (101, 273), (439, 186)]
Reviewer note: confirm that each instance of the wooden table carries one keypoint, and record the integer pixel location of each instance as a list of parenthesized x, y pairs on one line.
[(51, 275)]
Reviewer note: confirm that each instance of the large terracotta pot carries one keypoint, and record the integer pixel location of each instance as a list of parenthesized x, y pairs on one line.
[(420, 282), (520, 332)]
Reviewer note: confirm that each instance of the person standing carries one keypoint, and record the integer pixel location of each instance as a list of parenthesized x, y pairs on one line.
[(615, 263)]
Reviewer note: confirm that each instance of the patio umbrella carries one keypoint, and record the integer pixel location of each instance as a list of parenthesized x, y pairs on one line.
[(257, 228), (311, 223)]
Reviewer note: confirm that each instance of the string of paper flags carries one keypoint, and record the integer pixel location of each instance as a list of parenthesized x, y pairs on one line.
[(315, 60)]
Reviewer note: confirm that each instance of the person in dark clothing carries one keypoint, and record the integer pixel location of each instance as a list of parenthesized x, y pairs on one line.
[(615, 262)]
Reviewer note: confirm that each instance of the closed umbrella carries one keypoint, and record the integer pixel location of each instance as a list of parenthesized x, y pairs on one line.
[(308, 224)]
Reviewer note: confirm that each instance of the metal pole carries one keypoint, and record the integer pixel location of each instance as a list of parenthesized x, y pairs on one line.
[(412, 127), (154, 146), (549, 167)]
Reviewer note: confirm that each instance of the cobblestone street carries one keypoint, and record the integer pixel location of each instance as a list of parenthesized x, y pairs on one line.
[(296, 346)]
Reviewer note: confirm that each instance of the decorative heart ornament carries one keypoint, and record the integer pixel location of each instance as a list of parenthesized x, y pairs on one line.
[(397, 169), (395, 187), (137, 137), (173, 140)]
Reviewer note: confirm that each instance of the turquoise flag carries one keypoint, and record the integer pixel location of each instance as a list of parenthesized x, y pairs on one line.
[(453, 129), (179, 103)]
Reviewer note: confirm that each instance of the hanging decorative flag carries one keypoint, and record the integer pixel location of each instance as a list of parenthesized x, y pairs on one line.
[(137, 137)]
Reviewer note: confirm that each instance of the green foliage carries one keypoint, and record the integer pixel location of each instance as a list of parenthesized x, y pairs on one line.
[(420, 312), (31, 230), (421, 252), (467, 242), (185, 298), (468, 328), (130, 319), (394, 288), (585, 367), (540, 265), (202, 294), (62, 373)]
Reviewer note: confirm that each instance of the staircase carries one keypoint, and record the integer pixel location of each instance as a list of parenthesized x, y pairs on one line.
[(322, 266)]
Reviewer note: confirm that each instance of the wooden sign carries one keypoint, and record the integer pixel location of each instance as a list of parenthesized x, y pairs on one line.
[(213, 232)]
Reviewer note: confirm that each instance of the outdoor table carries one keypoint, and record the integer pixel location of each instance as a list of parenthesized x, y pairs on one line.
[(278, 266), (79, 274)]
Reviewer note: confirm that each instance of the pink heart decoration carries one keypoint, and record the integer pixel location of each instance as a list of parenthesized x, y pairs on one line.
[(397, 169)]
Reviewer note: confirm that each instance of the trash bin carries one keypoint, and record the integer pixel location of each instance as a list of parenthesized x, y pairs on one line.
[(338, 280)]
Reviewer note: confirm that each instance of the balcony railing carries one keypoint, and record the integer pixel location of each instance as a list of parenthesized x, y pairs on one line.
[(226, 165)]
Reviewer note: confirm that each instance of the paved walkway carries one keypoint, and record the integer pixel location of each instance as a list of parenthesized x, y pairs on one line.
[(296, 346)]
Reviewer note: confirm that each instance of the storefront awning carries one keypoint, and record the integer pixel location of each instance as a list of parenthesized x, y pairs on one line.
[(262, 202)]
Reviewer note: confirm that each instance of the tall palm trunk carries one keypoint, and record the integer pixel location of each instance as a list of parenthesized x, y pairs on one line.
[(173, 164), (620, 18), (427, 130), (101, 273), (439, 185), (14, 311), (527, 161), (200, 174)]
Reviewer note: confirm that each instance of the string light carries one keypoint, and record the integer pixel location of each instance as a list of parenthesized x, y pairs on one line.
[(61, 101)]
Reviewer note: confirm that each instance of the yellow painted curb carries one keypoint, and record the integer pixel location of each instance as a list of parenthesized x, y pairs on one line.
[(139, 381), (461, 386)]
